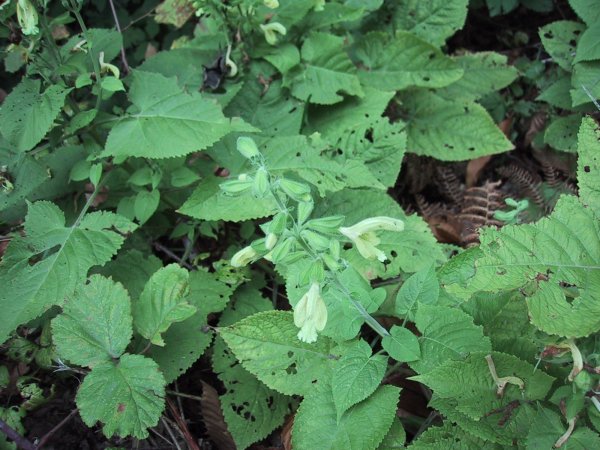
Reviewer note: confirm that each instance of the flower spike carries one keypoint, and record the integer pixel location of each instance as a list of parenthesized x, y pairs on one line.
[(310, 314), (363, 235)]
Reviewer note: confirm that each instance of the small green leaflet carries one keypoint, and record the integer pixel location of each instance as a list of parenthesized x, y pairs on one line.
[(587, 47), (470, 383), (446, 334), (132, 269), (126, 396), (405, 61), (162, 110), (585, 75), (364, 426), (421, 287), (356, 375), (560, 41), (561, 133), (450, 130), (448, 436), (162, 302), (46, 265), (267, 345), (587, 10), (95, 325), (431, 20), (27, 115), (401, 344), (326, 72), (588, 164), (145, 204)]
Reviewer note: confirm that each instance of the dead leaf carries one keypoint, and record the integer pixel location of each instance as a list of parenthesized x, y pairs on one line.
[(474, 169), (286, 433), (210, 408)]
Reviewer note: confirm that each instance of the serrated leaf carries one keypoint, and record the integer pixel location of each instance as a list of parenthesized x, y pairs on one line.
[(432, 20), (162, 110), (560, 41), (395, 437), (484, 73), (587, 10), (404, 61), (401, 344), (451, 130), (470, 383), (588, 164), (563, 248), (208, 202), (267, 345), (250, 408), (421, 287), (561, 134), (557, 94), (145, 204), (585, 83), (325, 73), (448, 436), (548, 427), (587, 47), (162, 303), (27, 114), (127, 396), (186, 341), (356, 375), (174, 12), (284, 57), (446, 334), (96, 323), (365, 425), (46, 265), (409, 251)]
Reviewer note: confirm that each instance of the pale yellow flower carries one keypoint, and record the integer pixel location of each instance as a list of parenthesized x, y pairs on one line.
[(243, 257), (271, 30), (272, 4), (27, 17), (364, 238), (310, 314)]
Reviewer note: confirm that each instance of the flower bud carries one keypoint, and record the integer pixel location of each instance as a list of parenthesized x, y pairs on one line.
[(271, 241), (271, 30), (328, 224), (247, 147), (271, 4), (278, 224), (305, 210), (330, 262), (260, 188), (236, 187), (298, 191), (315, 240), (27, 17), (335, 248), (282, 249)]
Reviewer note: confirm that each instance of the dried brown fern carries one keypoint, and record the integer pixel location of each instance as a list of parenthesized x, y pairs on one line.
[(449, 185), (430, 210), (526, 181), (480, 204)]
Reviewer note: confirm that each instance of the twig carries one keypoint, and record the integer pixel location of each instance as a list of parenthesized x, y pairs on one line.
[(172, 255), (123, 57), (168, 428), (183, 427), (49, 434), (15, 437), (181, 394)]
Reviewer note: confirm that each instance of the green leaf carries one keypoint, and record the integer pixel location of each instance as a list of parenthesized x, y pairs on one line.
[(208, 202), (560, 41), (587, 10), (145, 204), (284, 57), (587, 47), (174, 12), (470, 383), (561, 134), (325, 73), (421, 287), (162, 302), (431, 20), (409, 251), (585, 77), (363, 426), (404, 62), (588, 164), (561, 249), (446, 334), (557, 94), (395, 438), (46, 265), (132, 269), (27, 115), (251, 410), (401, 344), (451, 130), (484, 73), (95, 325), (162, 110), (12, 417), (186, 341), (356, 375), (127, 396), (548, 427), (267, 346), (448, 436)]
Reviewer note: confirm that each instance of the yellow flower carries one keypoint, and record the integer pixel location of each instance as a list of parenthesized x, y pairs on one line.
[(363, 235), (106, 67), (243, 257), (27, 17), (272, 4), (310, 314), (271, 30)]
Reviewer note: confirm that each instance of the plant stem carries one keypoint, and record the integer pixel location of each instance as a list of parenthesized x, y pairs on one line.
[(21, 442), (123, 56)]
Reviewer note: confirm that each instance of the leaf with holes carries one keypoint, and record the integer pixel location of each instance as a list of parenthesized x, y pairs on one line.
[(126, 396), (588, 164), (560, 41), (46, 265)]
